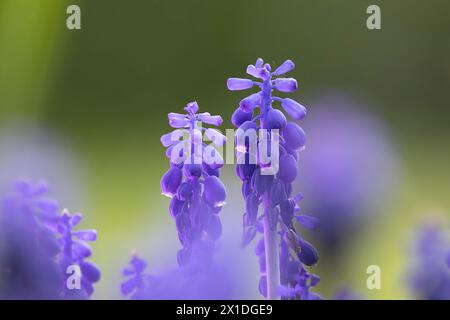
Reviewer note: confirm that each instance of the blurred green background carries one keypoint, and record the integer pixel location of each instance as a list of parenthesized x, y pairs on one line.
[(104, 92)]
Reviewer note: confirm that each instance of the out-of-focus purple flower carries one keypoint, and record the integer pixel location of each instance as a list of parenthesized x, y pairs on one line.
[(199, 279), (348, 167), (193, 181), (33, 254), (284, 274), (75, 251), (429, 274)]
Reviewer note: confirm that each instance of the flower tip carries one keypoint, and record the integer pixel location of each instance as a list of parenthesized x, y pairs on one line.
[(285, 67), (259, 62), (192, 107)]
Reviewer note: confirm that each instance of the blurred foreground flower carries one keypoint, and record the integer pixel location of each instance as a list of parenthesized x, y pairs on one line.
[(347, 168), (37, 245), (200, 279), (429, 272)]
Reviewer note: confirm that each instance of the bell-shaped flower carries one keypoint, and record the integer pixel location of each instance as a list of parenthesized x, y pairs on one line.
[(214, 192), (251, 102), (170, 181), (285, 84), (239, 84), (294, 136), (293, 108), (285, 67)]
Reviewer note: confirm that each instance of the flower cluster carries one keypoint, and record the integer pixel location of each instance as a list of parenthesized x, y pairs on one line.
[(274, 191), (192, 181), (429, 274), (36, 248)]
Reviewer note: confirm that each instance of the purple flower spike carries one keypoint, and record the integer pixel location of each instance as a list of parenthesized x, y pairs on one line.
[(284, 274), (193, 182)]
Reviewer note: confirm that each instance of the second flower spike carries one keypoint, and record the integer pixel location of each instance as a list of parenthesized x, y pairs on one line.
[(192, 181)]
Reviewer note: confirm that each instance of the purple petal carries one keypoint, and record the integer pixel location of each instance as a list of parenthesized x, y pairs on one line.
[(128, 286), (277, 192), (259, 248), (285, 84), (251, 206), (299, 197), (170, 138), (308, 222), (239, 84), (308, 254), (138, 263), (209, 119), (253, 71), (285, 67), (287, 211), (248, 236), (249, 103), (192, 171), (86, 235), (170, 181), (239, 117), (288, 168), (185, 191), (191, 107), (263, 286), (75, 219), (246, 188), (275, 119), (259, 63), (214, 191), (175, 206), (81, 250), (294, 136), (293, 108), (178, 120), (90, 271)]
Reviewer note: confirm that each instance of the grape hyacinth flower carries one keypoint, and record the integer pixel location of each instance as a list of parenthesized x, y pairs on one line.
[(283, 254), (34, 248), (429, 274), (75, 251), (192, 181)]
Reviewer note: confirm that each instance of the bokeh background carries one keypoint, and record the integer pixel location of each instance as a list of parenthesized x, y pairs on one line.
[(84, 110)]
